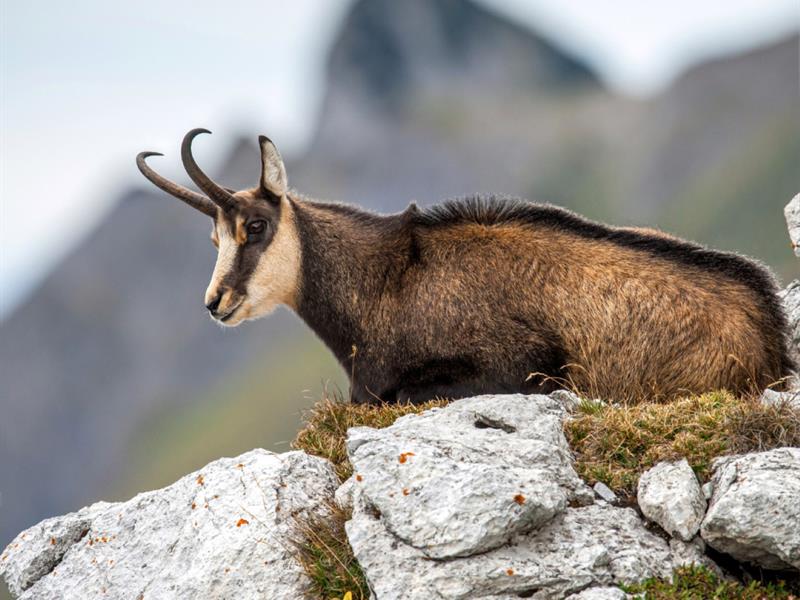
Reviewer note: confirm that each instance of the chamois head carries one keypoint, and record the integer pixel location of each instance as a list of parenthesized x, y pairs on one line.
[(258, 254)]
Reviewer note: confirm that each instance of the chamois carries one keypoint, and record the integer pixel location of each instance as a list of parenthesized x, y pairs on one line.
[(488, 294)]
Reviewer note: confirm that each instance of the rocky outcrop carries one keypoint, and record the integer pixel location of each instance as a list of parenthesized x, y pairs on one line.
[(466, 478), (670, 495), (596, 545), (477, 499), (487, 483), (754, 513), (221, 532)]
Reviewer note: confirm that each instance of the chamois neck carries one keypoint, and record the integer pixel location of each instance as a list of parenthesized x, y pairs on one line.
[(349, 257)]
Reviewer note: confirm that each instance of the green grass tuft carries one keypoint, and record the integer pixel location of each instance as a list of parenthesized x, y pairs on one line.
[(327, 559), (616, 443), (323, 549), (699, 583)]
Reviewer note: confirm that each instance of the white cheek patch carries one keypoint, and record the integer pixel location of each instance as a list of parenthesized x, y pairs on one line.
[(276, 276)]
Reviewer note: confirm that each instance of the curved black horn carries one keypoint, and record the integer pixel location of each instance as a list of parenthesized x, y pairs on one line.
[(218, 194), (193, 199)]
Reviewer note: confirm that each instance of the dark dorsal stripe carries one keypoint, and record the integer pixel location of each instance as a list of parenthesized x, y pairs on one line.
[(497, 210)]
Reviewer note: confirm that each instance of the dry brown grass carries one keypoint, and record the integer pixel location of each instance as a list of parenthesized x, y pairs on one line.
[(616, 443), (698, 582), (325, 431), (323, 549), (326, 556)]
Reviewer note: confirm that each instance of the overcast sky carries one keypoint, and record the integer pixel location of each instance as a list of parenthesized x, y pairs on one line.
[(86, 84)]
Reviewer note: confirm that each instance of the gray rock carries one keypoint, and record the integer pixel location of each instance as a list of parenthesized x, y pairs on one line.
[(221, 532), (465, 478), (569, 400), (438, 485), (344, 494), (685, 554), (792, 214), (708, 490), (599, 593), (670, 495), (605, 492), (790, 297), (754, 514), (582, 547), (773, 398)]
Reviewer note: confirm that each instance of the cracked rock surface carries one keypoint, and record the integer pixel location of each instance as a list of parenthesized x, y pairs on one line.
[(465, 478), (221, 532), (492, 509), (582, 547), (754, 513)]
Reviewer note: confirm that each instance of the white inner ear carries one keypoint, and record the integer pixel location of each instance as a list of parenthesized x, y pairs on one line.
[(273, 176)]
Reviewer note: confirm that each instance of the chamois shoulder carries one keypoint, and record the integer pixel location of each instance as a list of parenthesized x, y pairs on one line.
[(503, 210)]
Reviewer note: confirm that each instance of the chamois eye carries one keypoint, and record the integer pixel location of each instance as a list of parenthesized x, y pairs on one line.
[(255, 229)]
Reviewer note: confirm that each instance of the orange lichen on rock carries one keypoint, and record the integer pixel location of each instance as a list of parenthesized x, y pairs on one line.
[(404, 457), (406, 492), (519, 499), (509, 571), (201, 480), (241, 522), (52, 541), (194, 505), (359, 478)]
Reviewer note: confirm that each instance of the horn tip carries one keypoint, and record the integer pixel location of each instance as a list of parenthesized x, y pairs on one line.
[(197, 131), (262, 139)]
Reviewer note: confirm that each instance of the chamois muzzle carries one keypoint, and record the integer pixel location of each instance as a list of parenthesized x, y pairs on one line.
[(219, 195), (193, 199)]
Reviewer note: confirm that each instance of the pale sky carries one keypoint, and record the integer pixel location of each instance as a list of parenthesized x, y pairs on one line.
[(86, 84)]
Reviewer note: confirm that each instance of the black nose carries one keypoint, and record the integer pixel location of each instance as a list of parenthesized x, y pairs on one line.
[(214, 304)]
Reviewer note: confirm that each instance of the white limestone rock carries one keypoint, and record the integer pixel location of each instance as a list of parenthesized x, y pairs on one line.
[(465, 478), (568, 399), (773, 398), (599, 593), (221, 532), (790, 296), (708, 490), (344, 494), (685, 554), (605, 493), (754, 513), (670, 495), (792, 214), (596, 545)]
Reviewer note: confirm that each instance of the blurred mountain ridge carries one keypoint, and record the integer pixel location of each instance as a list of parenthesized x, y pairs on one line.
[(425, 100)]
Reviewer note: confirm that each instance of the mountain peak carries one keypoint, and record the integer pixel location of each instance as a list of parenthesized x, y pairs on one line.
[(388, 51)]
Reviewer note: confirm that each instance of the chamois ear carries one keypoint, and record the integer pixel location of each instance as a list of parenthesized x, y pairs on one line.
[(273, 173)]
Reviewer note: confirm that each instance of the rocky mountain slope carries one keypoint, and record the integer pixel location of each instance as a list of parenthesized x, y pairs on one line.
[(476, 499), (468, 102)]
